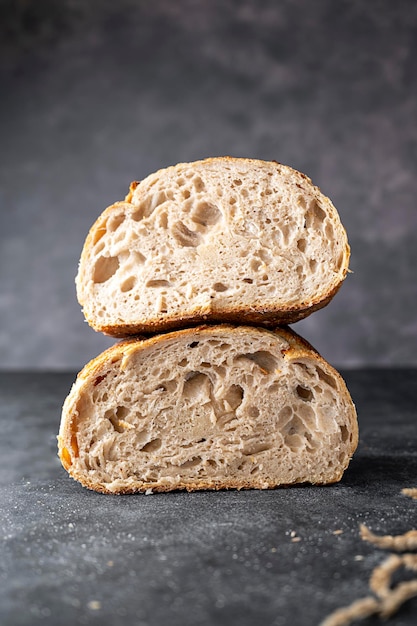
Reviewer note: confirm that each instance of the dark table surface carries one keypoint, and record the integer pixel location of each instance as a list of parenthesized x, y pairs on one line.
[(270, 558)]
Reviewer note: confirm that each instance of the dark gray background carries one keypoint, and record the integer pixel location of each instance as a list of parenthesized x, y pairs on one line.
[(96, 94)]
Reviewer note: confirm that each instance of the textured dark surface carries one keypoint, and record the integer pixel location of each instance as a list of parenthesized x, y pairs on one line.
[(96, 94), (70, 556)]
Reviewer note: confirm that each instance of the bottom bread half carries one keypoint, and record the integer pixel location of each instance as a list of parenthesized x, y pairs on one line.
[(214, 407)]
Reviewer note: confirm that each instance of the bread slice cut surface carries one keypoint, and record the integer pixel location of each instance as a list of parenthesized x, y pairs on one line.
[(209, 408), (218, 240)]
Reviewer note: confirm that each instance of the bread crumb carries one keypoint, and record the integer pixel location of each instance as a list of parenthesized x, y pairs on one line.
[(94, 605), (295, 539), (338, 532), (359, 557), (148, 492)]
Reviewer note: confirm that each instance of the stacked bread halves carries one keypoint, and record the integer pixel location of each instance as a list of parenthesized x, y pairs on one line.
[(202, 266)]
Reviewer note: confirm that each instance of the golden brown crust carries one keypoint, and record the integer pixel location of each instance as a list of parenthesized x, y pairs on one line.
[(299, 348)]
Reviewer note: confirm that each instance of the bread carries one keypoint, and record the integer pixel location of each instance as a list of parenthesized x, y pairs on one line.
[(220, 240), (212, 407)]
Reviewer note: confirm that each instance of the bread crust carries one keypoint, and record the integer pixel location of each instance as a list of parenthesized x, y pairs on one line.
[(265, 314), (298, 348)]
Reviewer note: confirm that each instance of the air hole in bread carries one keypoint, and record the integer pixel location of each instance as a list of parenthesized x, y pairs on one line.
[(304, 393), (183, 362), (326, 377), (105, 268), (122, 412), (286, 231), (194, 344), (304, 368), (329, 231), (128, 284), (256, 448), (314, 216), (156, 200), (99, 247), (99, 379), (253, 411), (313, 265), (114, 222), (263, 359), (285, 415), (301, 245), (138, 257), (186, 194), (138, 214), (265, 255), (293, 437), (152, 446), (161, 304), (342, 457), (255, 265), (184, 236), (345, 433), (248, 280), (99, 233), (308, 416), (224, 419), (301, 202), (255, 470), (191, 463), (234, 396), (206, 214), (197, 386), (163, 220), (116, 418), (220, 287), (237, 182), (199, 184), (158, 283)]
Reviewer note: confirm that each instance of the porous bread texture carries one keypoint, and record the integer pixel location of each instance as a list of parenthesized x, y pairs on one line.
[(215, 407), (219, 240)]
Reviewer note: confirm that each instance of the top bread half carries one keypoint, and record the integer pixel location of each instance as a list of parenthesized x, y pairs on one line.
[(219, 240)]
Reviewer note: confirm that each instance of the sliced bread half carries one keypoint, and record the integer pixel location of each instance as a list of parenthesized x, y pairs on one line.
[(212, 407), (220, 240)]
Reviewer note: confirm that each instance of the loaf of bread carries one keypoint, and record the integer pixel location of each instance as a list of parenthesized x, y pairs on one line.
[(213, 407), (220, 240)]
